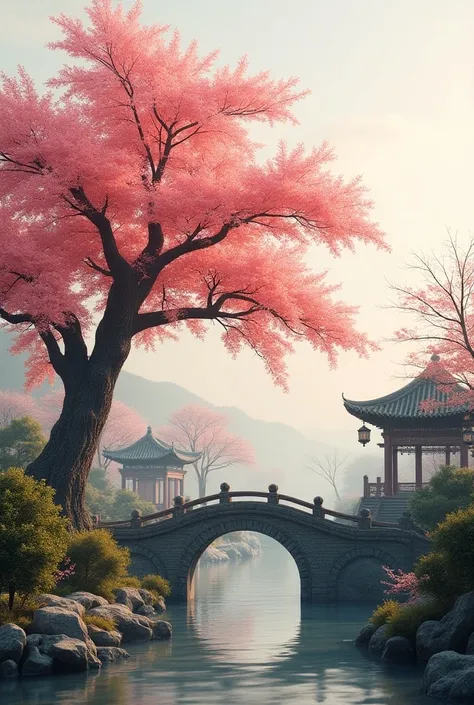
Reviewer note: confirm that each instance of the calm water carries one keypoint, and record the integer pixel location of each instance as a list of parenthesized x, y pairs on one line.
[(244, 640)]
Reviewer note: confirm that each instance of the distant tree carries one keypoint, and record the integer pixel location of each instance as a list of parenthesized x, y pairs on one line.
[(33, 535), (448, 490), (134, 199), (104, 500), (14, 405), (198, 429), (328, 468), (20, 443)]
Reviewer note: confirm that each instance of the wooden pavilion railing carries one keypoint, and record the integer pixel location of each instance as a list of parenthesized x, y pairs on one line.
[(376, 489), (225, 496)]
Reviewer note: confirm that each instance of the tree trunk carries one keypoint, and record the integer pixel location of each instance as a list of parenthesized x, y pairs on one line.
[(202, 482), (66, 460)]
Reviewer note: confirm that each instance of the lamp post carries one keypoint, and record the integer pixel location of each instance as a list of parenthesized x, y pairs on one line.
[(364, 435)]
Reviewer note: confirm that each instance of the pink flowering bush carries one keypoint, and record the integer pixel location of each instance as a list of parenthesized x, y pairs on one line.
[(400, 583)]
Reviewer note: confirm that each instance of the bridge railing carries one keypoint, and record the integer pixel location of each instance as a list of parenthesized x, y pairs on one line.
[(362, 521)]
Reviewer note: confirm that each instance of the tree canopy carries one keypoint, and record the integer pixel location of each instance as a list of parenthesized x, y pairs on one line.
[(20, 443), (135, 200), (448, 490)]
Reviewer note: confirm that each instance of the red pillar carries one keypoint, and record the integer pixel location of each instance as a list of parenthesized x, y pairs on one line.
[(165, 490), (388, 476), (419, 466), (447, 458), (464, 455), (395, 469)]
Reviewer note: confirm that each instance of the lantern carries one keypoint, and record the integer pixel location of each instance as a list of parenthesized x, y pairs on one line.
[(364, 435), (468, 436)]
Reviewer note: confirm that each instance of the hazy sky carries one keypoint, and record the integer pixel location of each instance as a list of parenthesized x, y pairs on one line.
[(392, 89)]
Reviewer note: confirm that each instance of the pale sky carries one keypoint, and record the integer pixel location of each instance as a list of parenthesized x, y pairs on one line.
[(392, 90)]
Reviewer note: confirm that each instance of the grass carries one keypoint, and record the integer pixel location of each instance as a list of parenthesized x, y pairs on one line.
[(21, 614), (410, 617), (385, 613), (157, 585), (104, 623)]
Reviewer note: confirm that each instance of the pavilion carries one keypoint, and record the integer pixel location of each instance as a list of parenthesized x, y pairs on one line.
[(407, 427), (153, 469)]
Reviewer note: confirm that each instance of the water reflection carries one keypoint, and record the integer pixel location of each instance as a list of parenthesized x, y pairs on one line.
[(244, 640)]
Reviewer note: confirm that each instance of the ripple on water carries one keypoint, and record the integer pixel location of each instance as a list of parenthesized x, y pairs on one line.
[(244, 640)]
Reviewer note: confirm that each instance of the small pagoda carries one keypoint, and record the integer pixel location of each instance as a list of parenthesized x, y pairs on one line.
[(408, 427), (153, 469)]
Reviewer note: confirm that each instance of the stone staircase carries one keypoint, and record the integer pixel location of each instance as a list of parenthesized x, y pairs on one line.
[(386, 509)]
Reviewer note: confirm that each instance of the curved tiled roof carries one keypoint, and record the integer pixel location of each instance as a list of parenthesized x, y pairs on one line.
[(405, 405), (148, 449)]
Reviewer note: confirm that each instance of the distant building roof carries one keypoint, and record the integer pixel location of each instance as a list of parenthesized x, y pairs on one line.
[(404, 407), (149, 449)]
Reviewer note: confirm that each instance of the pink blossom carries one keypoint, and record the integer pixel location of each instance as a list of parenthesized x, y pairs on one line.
[(400, 583)]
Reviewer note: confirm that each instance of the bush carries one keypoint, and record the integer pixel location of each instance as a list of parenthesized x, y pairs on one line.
[(101, 622), (33, 535), (435, 579), (408, 618), (100, 564), (128, 581), (448, 490), (21, 614), (156, 584), (385, 612)]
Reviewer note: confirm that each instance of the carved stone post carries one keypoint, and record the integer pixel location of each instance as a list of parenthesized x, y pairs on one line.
[(365, 519), (178, 507), (136, 521), (273, 494), (224, 498), (318, 510)]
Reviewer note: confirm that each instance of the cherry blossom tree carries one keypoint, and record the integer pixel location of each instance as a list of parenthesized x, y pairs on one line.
[(441, 307), (198, 429), (15, 405), (135, 201), (124, 425)]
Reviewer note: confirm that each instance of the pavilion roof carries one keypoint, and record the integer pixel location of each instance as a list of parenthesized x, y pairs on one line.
[(404, 406), (149, 449)]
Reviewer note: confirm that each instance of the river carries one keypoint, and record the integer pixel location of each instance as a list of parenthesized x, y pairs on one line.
[(244, 640)]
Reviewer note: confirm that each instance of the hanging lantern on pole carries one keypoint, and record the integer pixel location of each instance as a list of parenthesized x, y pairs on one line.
[(364, 435)]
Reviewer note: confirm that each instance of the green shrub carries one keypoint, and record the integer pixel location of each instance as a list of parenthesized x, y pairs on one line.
[(101, 622), (433, 570), (33, 535), (448, 490), (449, 571), (128, 581), (100, 564), (385, 612), (156, 584), (21, 614), (409, 617)]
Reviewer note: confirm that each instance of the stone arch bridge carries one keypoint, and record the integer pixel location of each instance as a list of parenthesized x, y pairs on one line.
[(339, 557)]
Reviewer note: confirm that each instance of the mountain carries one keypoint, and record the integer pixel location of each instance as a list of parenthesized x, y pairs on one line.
[(281, 451)]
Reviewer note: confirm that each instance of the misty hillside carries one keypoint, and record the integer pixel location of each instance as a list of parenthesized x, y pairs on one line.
[(281, 450)]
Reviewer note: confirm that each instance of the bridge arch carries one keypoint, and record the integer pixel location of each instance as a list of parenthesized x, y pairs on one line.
[(195, 548), (357, 557)]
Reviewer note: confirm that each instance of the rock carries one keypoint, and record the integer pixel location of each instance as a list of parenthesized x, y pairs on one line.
[(33, 640), (161, 630), (147, 611), (101, 637), (47, 600), (378, 640), (69, 655), (365, 635), (214, 555), (449, 634), (12, 642), (8, 669), (133, 627), (398, 650), (147, 596), (232, 552), (109, 654), (130, 597), (87, 599), (56, 620), (159, 605), (37, 664), (450, 676), (470, 645)]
